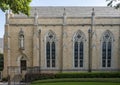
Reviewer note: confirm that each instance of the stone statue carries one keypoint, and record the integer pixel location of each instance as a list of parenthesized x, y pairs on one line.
[(22, 41)]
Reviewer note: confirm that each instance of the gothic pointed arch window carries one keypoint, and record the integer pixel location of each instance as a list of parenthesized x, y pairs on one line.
[(78, 49), (107, 41), (21, 39), (50, 50)]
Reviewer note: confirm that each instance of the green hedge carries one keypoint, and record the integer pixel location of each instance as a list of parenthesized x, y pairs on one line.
[(88, 75), (116, 80), (40, 76)]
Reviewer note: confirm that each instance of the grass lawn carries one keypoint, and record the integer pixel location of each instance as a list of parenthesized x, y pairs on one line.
[(77, 83)]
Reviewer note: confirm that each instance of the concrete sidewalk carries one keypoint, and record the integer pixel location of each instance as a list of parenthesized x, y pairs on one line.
[(12, 83), (3, 83)]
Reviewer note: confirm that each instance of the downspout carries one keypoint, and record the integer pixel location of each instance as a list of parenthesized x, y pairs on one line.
[(90, 31), (62, 42)]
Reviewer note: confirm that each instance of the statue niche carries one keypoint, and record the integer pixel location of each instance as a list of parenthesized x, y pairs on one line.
[(21, 40)]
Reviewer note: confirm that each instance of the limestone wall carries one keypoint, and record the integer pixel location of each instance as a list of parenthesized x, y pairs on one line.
[(65, 44)]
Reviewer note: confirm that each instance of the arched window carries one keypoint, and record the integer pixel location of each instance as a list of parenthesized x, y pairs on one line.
[(107, 41), (78, 49), (50, 50), (21, 39)]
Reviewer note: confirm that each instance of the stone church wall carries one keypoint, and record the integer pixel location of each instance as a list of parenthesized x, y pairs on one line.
[(64, 30)]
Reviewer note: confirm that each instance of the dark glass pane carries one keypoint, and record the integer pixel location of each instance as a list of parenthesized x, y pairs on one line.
[(76, 50), (50, 36), (109, 45), (76, 56), (81, 63), (76, 63), (48, 46), (104, 56), (104, 50), (48, 56), (53, 46), (48, 50), (108, 63), (53, 50), (48, 63), (81, 57), (81, 46), (53, 56), (109, 57), (109, 50), (81, 50), (103, 63), (53, 63), (104, 45), (76, 46)]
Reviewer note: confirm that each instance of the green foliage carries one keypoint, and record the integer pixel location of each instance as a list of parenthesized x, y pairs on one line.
[(1, 62), (5, 79), (77, 83), (40, 76), (17, 6), (116, 80), (110, 3), (89, 75)]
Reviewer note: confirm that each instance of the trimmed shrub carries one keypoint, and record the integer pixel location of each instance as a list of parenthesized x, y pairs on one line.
[(5, 79), (40, 76), (88, 75)]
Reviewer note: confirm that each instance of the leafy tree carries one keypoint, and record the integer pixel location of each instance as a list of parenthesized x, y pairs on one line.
[(17, 6), (113, 3), (1, 62)]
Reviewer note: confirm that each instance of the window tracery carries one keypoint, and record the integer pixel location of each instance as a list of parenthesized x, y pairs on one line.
[(78, 49), (50, 50)]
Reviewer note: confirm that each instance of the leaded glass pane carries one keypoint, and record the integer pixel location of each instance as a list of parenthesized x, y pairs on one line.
[(81, 63), (50, 50), (106, 49), (48, 62), (53, 50), (76, 62), (104, 63), (53, 63), (81, 50), (108, 63), (109, 50), (76, 50)]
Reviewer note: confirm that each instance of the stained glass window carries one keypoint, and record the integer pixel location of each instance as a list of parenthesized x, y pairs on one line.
[(107, 49), (50, 50), (78, 49)]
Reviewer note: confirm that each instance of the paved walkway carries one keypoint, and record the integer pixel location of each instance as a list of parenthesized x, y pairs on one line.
[(3, 83), (12, 83)]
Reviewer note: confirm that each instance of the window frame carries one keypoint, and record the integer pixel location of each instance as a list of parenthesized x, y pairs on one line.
[(50, 41), (83, 39), (112, 42)]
